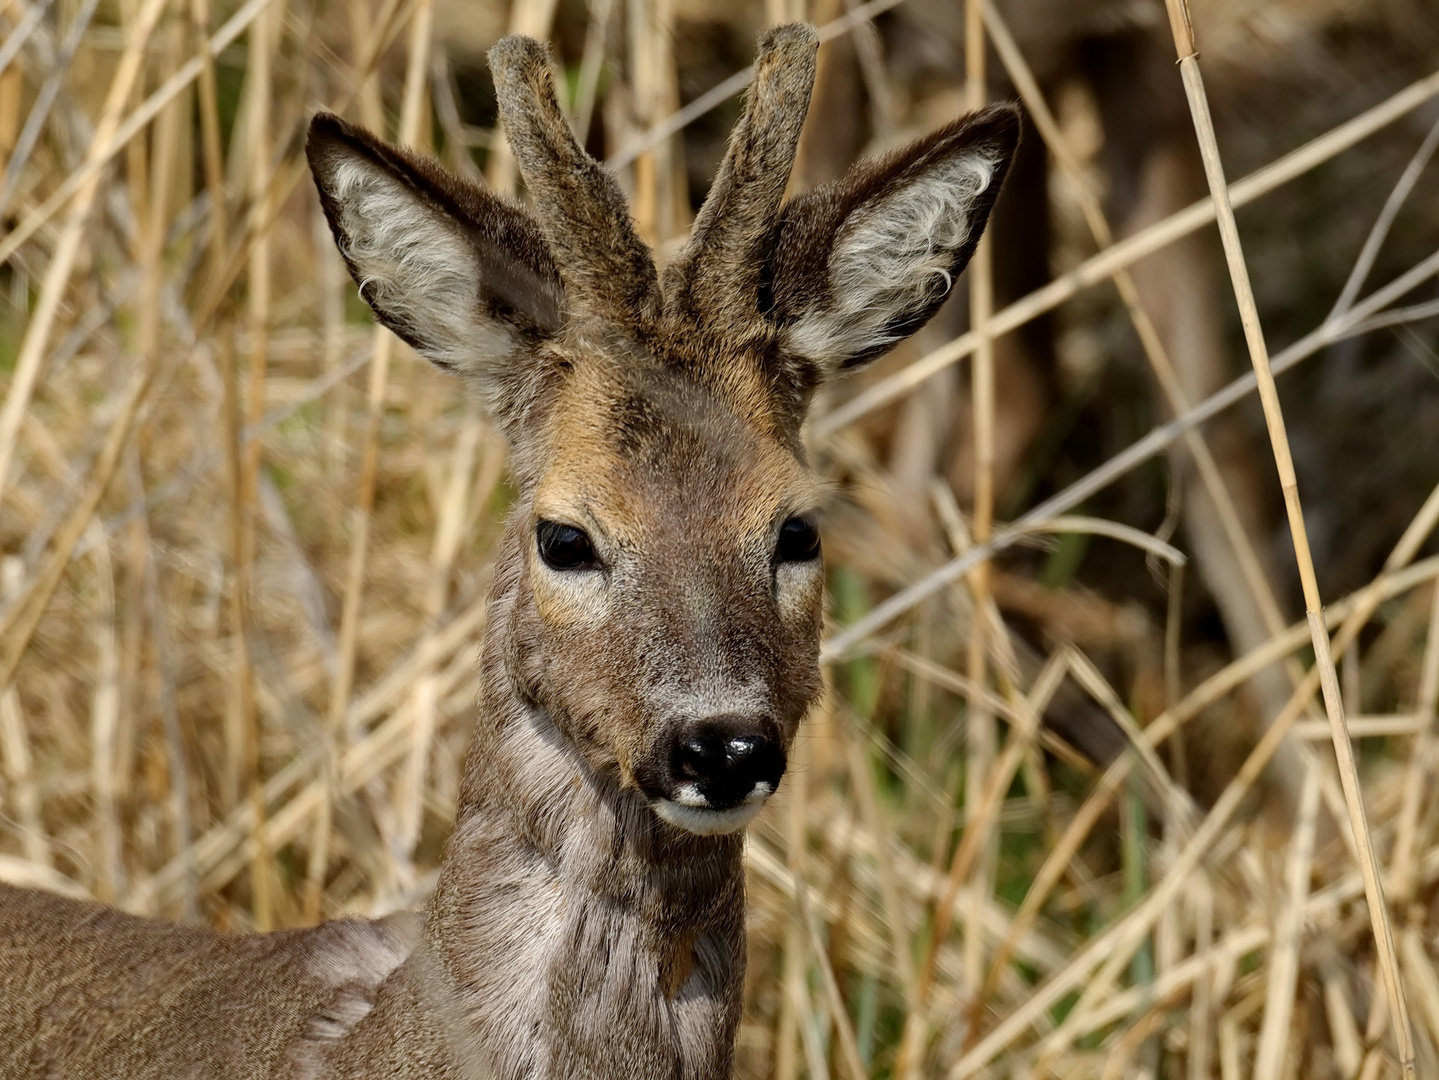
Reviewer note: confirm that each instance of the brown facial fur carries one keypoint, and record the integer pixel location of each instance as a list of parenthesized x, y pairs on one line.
[(683, 498)]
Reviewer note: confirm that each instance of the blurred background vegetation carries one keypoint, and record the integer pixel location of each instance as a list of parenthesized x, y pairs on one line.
[(245, 537)]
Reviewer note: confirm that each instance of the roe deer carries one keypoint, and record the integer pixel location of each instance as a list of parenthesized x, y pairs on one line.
[(654, 622)]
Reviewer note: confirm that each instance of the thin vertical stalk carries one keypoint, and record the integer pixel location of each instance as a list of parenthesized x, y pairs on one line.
[(534, 18), (104, 725), (243, 734), (1422, 761), (980, 732), (1183, 30), (212, 155), (592, 65), (416, 79), (789, 1023), (18, 765), (1284, 952), (454, 507)]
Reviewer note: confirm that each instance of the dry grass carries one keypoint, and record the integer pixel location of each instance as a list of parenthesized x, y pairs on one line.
[(246, 543)]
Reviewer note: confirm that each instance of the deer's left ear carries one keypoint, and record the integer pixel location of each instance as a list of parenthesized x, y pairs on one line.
[(462, 275), (861, 264)]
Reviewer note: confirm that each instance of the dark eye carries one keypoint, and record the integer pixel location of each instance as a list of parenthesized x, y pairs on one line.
[(564, 547), (798, 541)]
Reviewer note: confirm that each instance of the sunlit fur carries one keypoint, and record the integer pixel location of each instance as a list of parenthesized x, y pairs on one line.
[(586, 924)]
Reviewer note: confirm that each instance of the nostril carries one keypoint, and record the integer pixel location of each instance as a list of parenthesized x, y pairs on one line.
[(698, 757)]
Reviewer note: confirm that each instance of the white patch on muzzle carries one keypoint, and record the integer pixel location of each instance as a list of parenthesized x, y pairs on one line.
[(690, 811)]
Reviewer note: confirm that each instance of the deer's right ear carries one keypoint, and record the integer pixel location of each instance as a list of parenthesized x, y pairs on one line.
[(859, 265), (458, 273)]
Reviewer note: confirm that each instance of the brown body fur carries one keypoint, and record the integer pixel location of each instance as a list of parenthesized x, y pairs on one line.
[(589, 916)]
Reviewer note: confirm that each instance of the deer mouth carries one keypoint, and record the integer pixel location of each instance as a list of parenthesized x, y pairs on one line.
[(692, 813)]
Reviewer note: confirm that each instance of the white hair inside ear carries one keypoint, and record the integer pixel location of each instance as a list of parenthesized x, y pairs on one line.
[(891, 260), (415, 265)]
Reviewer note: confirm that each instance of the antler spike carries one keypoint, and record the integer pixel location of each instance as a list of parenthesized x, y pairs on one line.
[(605, 266), (717, 276)]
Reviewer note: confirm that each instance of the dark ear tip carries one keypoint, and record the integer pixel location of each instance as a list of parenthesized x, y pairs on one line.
[(1000, 123), (327, 132)]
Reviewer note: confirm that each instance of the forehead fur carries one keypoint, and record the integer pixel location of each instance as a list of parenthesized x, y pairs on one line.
[(630, 442)]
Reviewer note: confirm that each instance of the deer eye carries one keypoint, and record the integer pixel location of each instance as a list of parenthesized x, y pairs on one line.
[(564, 547), (798, 541)]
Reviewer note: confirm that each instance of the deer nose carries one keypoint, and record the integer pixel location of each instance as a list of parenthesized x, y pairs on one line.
[(726, 760)]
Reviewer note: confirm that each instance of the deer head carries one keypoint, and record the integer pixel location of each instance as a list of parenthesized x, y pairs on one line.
[(668, 589)]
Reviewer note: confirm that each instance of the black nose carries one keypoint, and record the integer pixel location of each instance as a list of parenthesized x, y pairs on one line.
[(727, 758)]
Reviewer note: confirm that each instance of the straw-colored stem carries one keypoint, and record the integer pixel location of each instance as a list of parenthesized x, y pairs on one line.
[(980, 733), (1289, 484), (212, 155), (416, 74), (592, 64), (1422, 761), (788, 1023), (1284, 952), (977, 830), (243, 736), (849, 1048), (18, 766)]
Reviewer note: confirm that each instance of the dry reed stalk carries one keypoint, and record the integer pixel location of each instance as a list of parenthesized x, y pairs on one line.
[(980, 735), (533, 18), (793, 1011), (895, 915), (1322, 909), (592, 63), (1289, 926), (243, 721), (212, 155), (104, 725), (20, 618), (416, 71), (980, 818), (453, 511), (15, 149), (219, 843), (849, 1048), (1183, 30), (18, 764), (1380, 229), (1201, 901), (366, 760), (1423, 758), (658, 171), (1421, 977), (67, 247)]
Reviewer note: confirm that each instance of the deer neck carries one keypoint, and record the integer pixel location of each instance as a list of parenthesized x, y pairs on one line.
[(581, 936)]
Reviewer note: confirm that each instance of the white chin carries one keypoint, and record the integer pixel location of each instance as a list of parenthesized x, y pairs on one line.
[(705, 822)]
